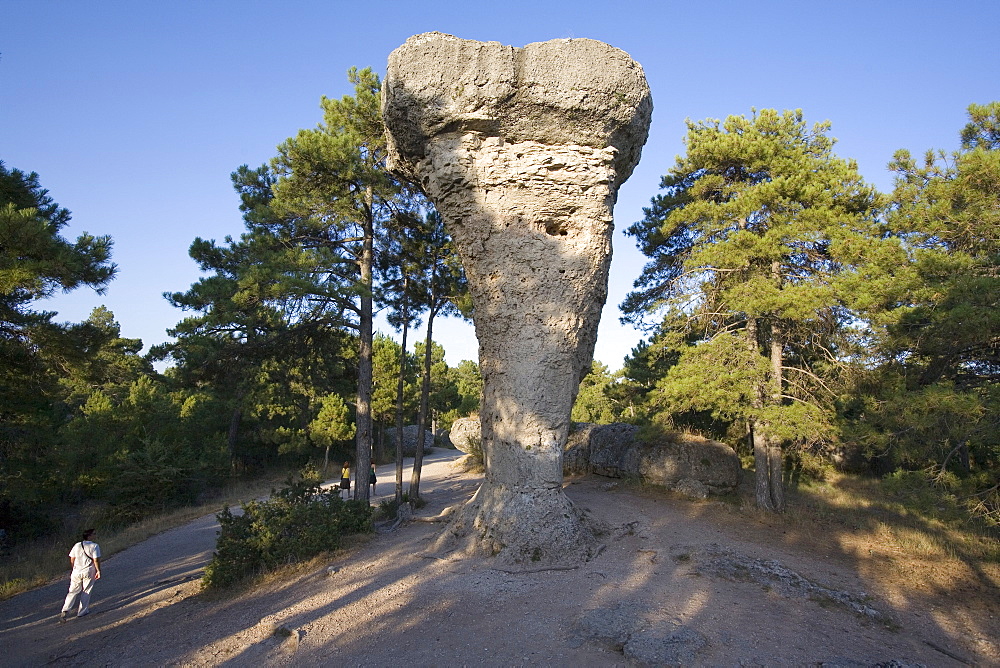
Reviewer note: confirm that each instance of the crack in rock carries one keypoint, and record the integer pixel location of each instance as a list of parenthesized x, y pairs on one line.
[(773, 575)]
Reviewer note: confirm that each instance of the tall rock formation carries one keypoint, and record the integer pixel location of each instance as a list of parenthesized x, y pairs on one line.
[(522, 151)]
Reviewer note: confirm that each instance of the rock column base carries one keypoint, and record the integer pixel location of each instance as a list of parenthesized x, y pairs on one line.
[(521, 530)]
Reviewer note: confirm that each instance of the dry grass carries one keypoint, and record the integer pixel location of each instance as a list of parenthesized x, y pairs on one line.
[(908, 552), (860, 511), (39, 562)]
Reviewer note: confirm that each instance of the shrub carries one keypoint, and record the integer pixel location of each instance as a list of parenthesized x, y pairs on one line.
[(387, 509), (295, 524), (474, 461), (802, 463), (20, 521), (915, 491)]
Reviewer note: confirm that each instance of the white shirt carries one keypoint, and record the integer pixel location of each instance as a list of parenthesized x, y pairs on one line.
[(83, 555)]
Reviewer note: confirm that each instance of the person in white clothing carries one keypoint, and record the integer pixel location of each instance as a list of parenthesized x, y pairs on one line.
[(85, 558)]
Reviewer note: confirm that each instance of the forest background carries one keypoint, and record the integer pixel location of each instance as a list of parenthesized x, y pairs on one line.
[(858, 328)]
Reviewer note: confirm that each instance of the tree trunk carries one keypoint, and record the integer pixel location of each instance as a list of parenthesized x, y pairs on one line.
[(425, 391), (232, 436), (775, 460), (363, 414), (768, 485), (379, 455), (400, 384), (769, 490), (762, 469), (776, 476)]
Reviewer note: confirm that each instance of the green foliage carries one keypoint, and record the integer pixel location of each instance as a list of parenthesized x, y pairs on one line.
[(593, 403), (785, 294), (945, 308), (758, 229), (268, 357), (926, 396), (809, 466), (647, 362), (474, 461), (440, 289), (752, 191), (762, 244), (261, 363), (36, 262), (468, 384), (389, 508), (97, 356), (443, 392), (301, 490), (23, 520), (334, 197), (158, 476), (386, 359), (331, 425), (300, 521), (915, 490), (149, 450)]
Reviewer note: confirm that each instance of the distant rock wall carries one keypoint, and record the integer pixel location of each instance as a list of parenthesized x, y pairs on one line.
[(687, 464)]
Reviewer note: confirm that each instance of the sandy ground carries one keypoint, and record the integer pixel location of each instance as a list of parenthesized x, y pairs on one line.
[(677, 584)]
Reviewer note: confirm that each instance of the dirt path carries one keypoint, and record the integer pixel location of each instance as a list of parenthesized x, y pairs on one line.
[(675, 586)]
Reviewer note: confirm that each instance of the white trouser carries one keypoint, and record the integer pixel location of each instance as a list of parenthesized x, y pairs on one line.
[(80, 584)]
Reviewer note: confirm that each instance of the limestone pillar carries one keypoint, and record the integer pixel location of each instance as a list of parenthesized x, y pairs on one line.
[(522, 151)]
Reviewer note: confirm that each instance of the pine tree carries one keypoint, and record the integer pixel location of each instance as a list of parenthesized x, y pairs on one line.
[(36, 261), (441, 291), (335, 197), (755, 243), (928, 397)]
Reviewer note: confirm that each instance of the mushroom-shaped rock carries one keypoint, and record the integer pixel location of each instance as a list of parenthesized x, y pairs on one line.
[(522, 151)]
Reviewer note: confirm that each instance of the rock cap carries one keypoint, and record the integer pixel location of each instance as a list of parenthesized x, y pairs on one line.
[(563, 91)]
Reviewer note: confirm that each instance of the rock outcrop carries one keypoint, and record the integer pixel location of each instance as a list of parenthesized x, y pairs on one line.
[(522, 151), (691, 465), (466, 434), (641, 634), (410, 440)]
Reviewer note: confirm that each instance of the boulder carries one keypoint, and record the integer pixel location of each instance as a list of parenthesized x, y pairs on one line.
[(690, 465), (409, 440), (466, 434)]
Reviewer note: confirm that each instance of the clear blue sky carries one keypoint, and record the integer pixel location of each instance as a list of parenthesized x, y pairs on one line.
[(135, 113)]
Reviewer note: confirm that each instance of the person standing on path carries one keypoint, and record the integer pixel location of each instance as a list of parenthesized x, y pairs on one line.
[(371, 478), (345, 477), (85, 559)]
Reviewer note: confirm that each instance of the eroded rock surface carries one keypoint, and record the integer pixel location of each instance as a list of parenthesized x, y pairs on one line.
[(522, 152), (641, 634), (466, 434), (695, 467)]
